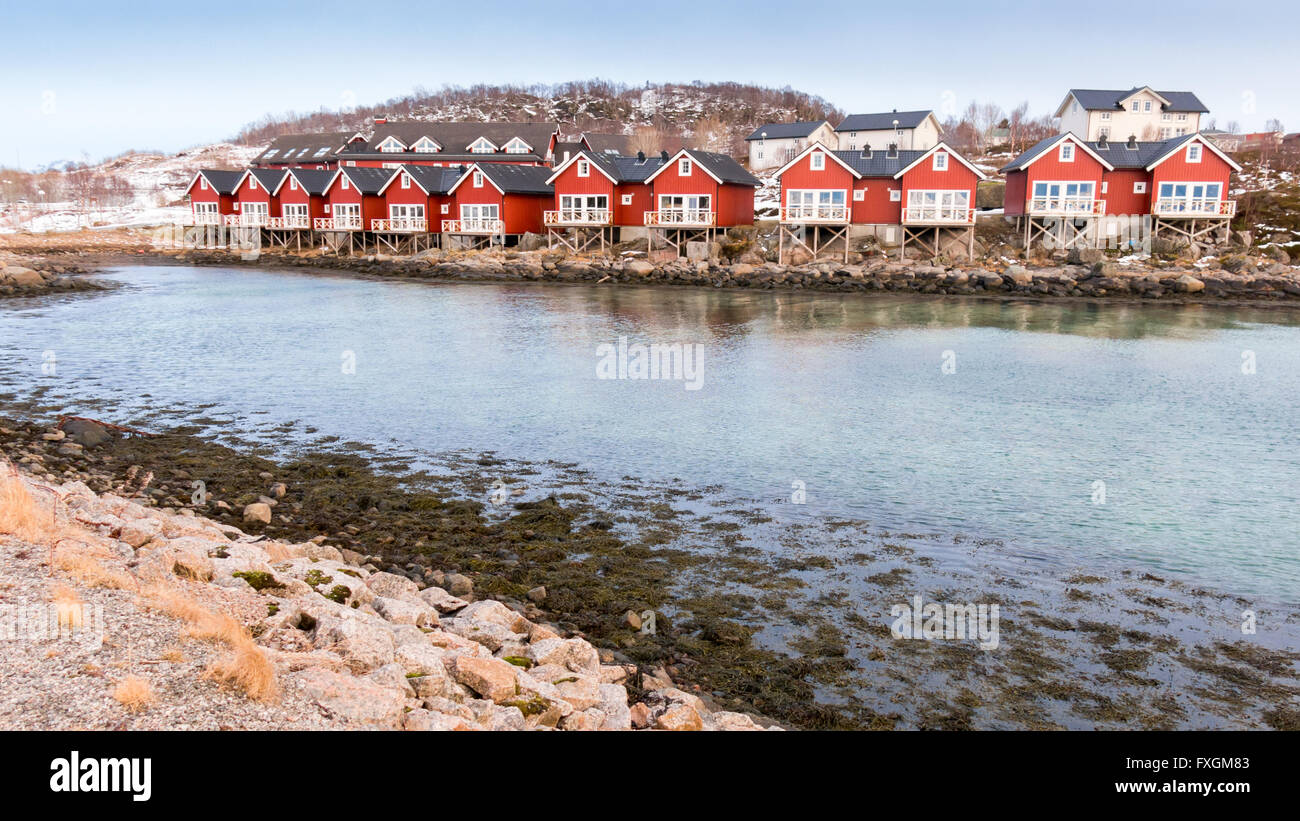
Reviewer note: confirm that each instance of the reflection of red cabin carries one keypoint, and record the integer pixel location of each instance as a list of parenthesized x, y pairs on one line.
[(603, 184), (694, 184), (212, 195), (499, 199), (301, 194), (352, 199), (421, 192), (255, 198)]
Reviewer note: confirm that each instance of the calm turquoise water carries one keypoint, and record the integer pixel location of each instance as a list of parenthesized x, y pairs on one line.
[(846, 394)]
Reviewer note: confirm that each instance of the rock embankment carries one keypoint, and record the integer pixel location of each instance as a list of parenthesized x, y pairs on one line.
[(1233, 277), (21, 276), (318, 629)]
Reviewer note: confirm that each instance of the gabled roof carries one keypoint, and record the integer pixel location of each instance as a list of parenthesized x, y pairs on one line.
[(786, 131), (430, 179), (1172, 147), (310, 180), (511, 179), (816, 146), (1045, 146), (365, 180), (268, 178), (941, 146), (723, 169), (290, 148), (884, 120), (455, 138), (1095, 99), (617, 168), (223, 182)]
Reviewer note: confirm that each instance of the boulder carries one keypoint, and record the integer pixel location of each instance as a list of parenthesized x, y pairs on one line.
[(392, 585), (258, 512), (1189, 284), (640, 267), (86, 433), (680, 717), (458, 585), (491, 678), (441, 600), (400, 611), (351, 699)]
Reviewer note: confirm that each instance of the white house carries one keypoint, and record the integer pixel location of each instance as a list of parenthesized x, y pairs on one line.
[(775, 144), (1140, 112), (909, 130)]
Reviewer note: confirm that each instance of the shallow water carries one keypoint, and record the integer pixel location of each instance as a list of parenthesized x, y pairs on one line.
[(846, 394)]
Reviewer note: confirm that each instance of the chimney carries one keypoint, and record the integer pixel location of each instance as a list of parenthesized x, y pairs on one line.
[(893, 150), (1101, 142), (380, 120), (866, 149), (640, 156), (1132, 141), (663, 155)]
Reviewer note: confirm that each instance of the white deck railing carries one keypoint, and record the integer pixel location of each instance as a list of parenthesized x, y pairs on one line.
[(201, 219), (348, 223), (939, 215), (1080, 206), (1194, 208), (686, 217), (473, 227), (816, 213), (400, 225), (288, 223), (577, 216)]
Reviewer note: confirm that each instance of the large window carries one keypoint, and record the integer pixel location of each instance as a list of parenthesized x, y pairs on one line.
[(815, 204), (938, 206), (1063, 197), (1189, 198), (685, 208), (480, 212), (584, 207)]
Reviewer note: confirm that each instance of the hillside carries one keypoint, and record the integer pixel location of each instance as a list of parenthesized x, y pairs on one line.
[(717, 116)]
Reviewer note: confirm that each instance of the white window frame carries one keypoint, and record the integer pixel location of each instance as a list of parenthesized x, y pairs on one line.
[(518, 146), (940, 199), (482, 146), (817, 161), (293, 183), (584, 168), (343, 182), (1137, 106), (399, 210), (1105, 115), (684, 167), (252, 183), (860, 195), (391, 145), (939, 161), (482, 211), (425, 145), (406, 181), (1194, 153), (1066, 152), (626, 199), (445, 208), (895, 195), (1139, 187), (477, 180), (203, 183)]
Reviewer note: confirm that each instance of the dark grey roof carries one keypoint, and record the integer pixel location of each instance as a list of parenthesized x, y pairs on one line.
[(456, 137), (624, 168), (223, 182), (608, 143), (723, 167), (369, 180), (269, 177), (1032, 152), (1118, 154), (883, 120), (290, 148), (785, 131), (1095, 99), (561, 147), (519, 179), (878, 162), (311, 180), (433, 179)]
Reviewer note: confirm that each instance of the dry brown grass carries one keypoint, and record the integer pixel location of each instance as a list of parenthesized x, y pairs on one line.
[(20, 516), (85, 568), (134, 693), (245, 666), (68, 605)]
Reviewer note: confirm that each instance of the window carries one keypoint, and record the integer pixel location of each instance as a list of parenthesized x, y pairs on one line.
[(860, 195), (252, 183), (327, 208), (853, 134), (446, 208), (584, 168), (270, 154), (203, 183), (1139, 188), (1063, 197), (815, 204), (940, 161), (472, 212), (817, 161), (390, 165), (1105, 116), (391, 145), (424, 145), (478, 179), (518, 146), (938, 206), (1103, 133), (1104, 186), (322, 151), (895, 195), (344, 182), (1146, 107), (293, 183), (1182, 118), (1194, 152), (1166, 117), (482, 146), (1189, 197), (627, 199), (351, 163), (683, 167), (1137, 106), (1067, 152), (760, 153), (406, 180)]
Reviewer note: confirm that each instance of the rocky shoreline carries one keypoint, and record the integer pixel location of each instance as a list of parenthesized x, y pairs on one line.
[(321, 636)]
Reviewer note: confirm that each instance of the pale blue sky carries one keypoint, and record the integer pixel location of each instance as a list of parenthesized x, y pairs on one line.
[(93, 78)]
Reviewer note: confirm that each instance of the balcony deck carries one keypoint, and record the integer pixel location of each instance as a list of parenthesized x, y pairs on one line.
[(681, 218), (478, 227), (939, 215), (400, 225), (578, 218), (816, 214), (1066, 207), (1192, 209)]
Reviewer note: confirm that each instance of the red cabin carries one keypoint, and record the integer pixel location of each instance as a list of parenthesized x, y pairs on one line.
[(418, 198), (498, 200), (701, 188), (929, 195), (212, 195), (301, 194), (352, 199), (1070, 193), (598, 194), (255, 199)]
